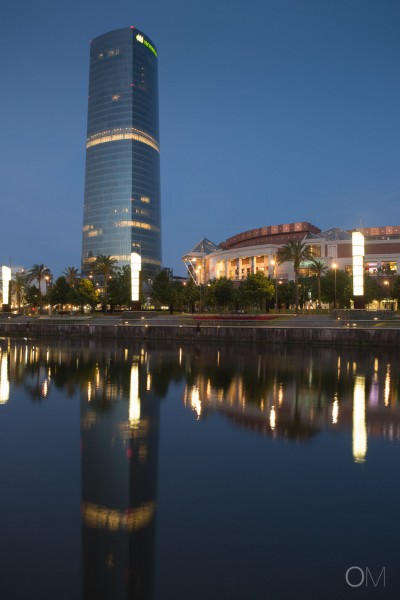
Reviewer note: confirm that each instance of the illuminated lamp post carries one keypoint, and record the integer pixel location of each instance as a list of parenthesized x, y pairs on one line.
[(6, 279), (199, 284), (357, 242), (386, 284), (334, 267), (273, 263)]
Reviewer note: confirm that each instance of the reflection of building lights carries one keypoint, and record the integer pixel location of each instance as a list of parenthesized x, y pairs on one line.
[(376, 365), (335, 411), (89, 391), (101, 517), (134, 400), (180, 356), (45, 388), (194, 399), (359, 422), (148, 382), (4, 381), (338, 366), (387, 385), (272, 418), (280, 394)]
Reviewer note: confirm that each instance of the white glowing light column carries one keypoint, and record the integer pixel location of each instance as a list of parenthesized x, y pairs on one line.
[(6, 277), (357, 241), (136, 267)]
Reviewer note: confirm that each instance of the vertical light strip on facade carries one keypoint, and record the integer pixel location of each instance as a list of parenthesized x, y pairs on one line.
[(357, 241)]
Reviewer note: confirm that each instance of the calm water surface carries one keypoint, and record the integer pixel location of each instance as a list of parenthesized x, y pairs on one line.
[(198, 473)]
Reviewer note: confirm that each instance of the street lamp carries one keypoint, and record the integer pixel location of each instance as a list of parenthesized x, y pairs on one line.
[(386, 284), (273, 263), (334, 267)]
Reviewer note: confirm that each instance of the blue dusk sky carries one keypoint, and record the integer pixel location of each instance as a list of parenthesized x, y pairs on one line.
[(270, 112)]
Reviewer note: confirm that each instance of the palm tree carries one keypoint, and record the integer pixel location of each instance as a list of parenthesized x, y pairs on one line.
[(38, 273), (105, 266), (296, 253), (318, 268), (72, 276), (18, 287)]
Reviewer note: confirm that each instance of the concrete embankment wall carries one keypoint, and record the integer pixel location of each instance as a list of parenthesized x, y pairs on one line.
[(382, 337)]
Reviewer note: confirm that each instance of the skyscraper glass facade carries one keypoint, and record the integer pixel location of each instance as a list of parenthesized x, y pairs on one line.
[(122, 182)]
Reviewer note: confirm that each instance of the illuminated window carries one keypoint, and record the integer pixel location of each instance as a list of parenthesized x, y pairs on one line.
[(115, 135), (142, 211), (100, 56), (139, 224), (145, 199), (315, 250), (113, 52), (95, 232), (115, 97)]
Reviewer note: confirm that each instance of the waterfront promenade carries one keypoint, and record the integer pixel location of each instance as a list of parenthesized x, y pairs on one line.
[(288, 329)]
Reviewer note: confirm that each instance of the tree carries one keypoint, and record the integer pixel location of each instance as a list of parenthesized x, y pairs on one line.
[(86, 294), (296, 253), (343, 286), (219, 293), (32, 295), (106, 267), (71, 276), (167, 292), (39, 273), (318, 268), (119, 287), (161, 288), (256, 288), (60, 292), (372, 289), (191, 293), (18, 288), (286, 294)]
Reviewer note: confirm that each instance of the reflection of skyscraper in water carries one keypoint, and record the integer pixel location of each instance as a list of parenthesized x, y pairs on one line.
[(119, 478)]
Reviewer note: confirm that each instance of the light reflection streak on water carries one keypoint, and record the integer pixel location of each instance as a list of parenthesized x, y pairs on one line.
[(272, 418), (194, 400), (280, 394), (134, 399), (387, 385), (359, 421), (335, 410), (89, 391), (4, 381)]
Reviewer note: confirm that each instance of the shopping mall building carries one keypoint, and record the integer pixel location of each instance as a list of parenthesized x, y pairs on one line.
[(256, 250)]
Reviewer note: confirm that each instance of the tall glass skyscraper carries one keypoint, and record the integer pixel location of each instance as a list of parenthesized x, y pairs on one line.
[(122, 182)]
